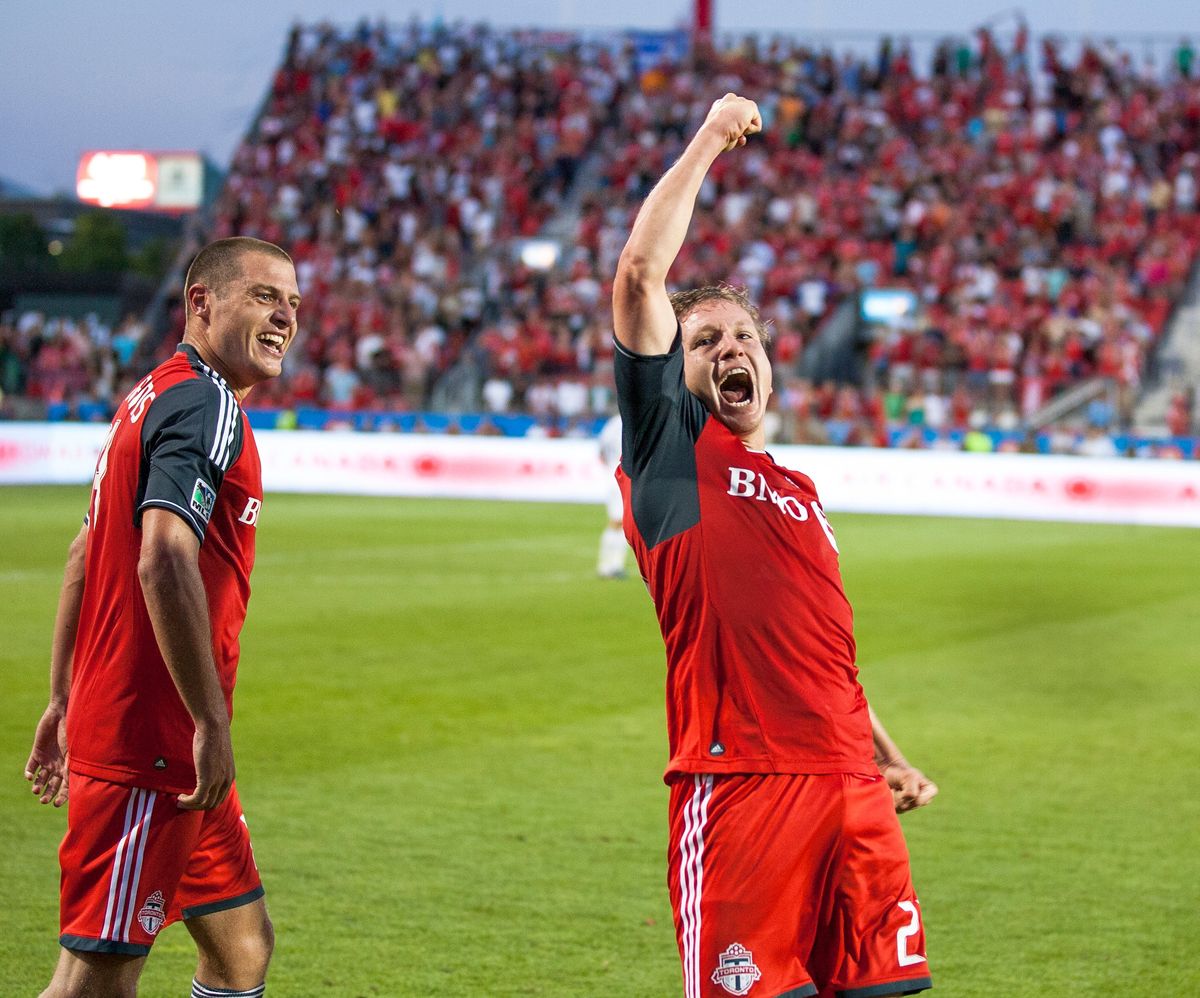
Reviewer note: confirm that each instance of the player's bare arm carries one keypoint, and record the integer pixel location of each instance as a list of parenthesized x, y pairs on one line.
[(47, 765), (169, 571), (642, 316), (910, 787)]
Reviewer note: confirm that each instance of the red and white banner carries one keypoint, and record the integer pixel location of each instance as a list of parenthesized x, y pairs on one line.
[(461, 467), (1016, 486), (1004, 486), (49, 453)]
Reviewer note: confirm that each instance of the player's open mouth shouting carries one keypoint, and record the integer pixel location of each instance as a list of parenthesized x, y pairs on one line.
[(736, 387)]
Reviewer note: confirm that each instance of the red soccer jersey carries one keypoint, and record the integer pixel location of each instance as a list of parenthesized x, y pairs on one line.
[(179, 441), (743, 569)]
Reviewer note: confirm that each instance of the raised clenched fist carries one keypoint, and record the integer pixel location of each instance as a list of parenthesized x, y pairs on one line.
[(733, 118)]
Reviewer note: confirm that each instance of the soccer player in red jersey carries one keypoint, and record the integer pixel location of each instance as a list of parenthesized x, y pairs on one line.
[(788, 871), (145, 652)]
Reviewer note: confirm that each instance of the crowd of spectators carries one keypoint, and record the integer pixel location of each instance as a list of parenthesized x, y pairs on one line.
[(1044, 212), (402, 167), (1043, 209), (76, 366)]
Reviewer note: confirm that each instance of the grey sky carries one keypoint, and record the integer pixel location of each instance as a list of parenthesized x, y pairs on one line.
[(143, 74)]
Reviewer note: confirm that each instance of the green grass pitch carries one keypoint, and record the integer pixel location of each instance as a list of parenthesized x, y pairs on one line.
[(450, 743)]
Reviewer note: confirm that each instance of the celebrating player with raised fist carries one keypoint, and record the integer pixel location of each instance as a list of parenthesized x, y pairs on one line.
[(789, 874)]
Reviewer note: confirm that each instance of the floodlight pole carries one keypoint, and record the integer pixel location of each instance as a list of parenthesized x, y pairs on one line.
[(702, 21)]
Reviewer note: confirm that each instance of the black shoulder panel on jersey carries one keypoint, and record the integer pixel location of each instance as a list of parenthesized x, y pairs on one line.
[(661, 422), (191, 436)]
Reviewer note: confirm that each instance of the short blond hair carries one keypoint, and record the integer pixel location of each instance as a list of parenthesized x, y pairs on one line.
[(685, 302)]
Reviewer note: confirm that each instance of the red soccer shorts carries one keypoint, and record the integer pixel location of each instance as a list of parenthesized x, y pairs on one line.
[(789, 886), (133, 861)]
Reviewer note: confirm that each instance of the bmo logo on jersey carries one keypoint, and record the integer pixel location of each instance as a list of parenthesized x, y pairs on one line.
[(250, 513), (745, 483)]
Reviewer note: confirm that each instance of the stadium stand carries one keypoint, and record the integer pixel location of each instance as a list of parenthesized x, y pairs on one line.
[(60, 368), (1035, 214)]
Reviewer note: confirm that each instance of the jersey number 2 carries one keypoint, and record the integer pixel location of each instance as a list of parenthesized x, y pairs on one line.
[(101, 470), (906, 958)]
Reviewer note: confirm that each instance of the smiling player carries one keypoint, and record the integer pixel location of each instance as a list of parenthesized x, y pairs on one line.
[(788, 871), (145, 652)]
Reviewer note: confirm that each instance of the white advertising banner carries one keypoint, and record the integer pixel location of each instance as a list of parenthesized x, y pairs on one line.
[(1016, 486), (49, 453), (409, 464), (1004, 486)]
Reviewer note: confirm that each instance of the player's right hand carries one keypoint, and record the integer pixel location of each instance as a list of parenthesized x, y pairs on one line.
[(733, 118), (46, 768), (910, 787), (212, 752)]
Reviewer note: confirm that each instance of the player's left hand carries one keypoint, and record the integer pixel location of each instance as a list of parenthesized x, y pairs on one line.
[(910, 787), (212, 751), (47, 765), (734, 118)]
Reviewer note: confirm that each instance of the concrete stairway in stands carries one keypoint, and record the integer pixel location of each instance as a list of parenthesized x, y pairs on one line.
[(1176, 365)]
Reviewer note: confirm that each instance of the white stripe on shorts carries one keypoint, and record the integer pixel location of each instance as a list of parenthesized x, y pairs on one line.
[(127, 850), (114, 877), (137, 869), (122, 885), (691, 881)]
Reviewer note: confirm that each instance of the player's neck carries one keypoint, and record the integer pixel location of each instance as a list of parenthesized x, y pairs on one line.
[(755, 440), (210, 359)]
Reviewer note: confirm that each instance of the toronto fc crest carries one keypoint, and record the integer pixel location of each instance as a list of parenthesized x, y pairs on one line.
[(736, 971), (152, 914)]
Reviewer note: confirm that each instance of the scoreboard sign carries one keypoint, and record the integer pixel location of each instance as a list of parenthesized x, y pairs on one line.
[(165, 181)]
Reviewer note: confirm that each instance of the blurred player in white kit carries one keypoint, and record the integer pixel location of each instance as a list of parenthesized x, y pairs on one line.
[(610, 564)]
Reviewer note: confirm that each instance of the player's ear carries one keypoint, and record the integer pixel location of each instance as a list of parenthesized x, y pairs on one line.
[(198, 297)]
